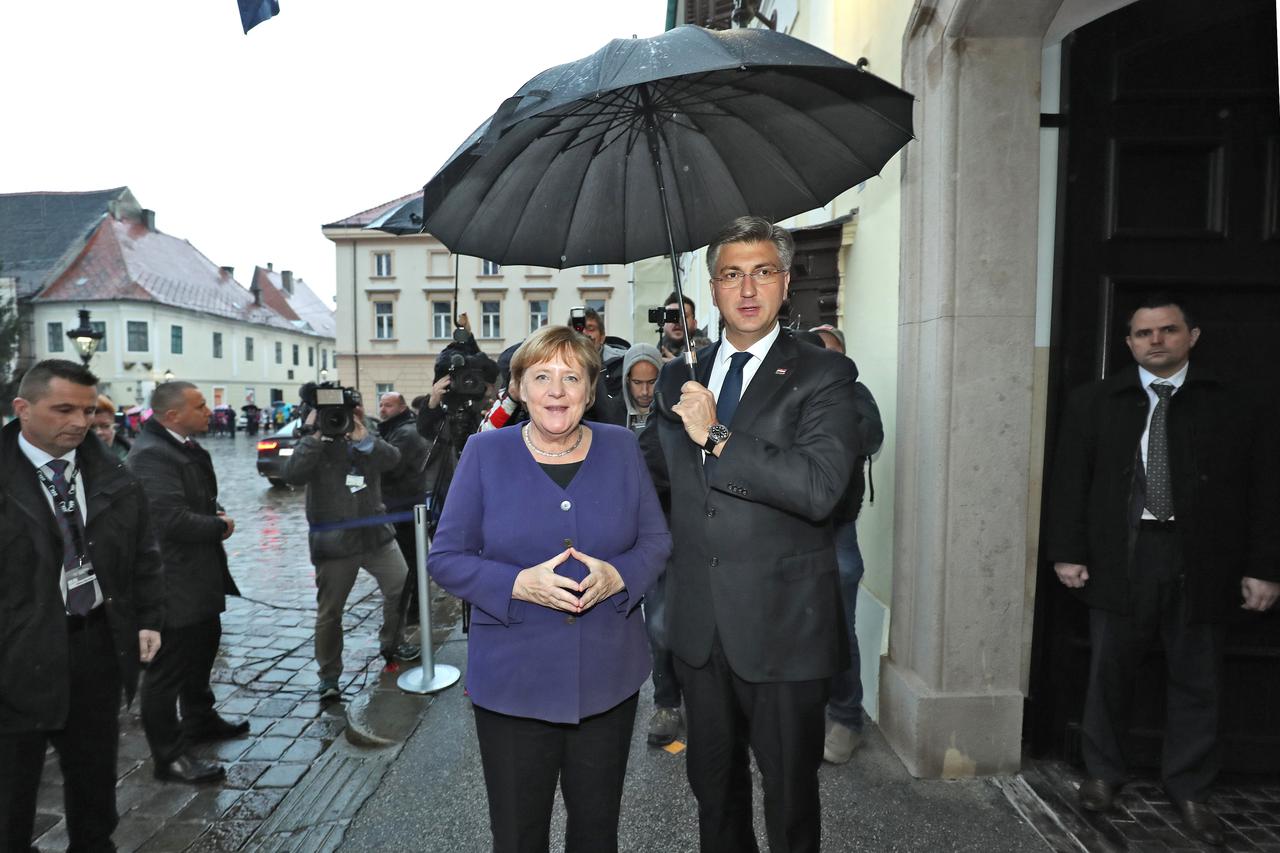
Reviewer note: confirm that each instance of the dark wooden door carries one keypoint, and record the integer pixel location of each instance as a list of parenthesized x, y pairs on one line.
[(815, 274), (1169, 180)]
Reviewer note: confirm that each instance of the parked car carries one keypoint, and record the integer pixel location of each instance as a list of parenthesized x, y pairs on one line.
[(274, 450)]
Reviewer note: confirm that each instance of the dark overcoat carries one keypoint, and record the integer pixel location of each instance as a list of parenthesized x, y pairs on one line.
[(1226, 489), (34, 656), (753, 554), (182, 491)]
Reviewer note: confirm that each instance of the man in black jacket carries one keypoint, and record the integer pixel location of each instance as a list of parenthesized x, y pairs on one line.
[(754, 451), (190, 526), (80, 604), (1162, 520), (404, 487)]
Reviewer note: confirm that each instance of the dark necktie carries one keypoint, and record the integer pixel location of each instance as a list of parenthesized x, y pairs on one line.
[(727, 399), (81, 599), (731, 389), (1159, 484)]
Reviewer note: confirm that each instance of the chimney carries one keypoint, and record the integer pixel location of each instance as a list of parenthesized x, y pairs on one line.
[(257, 293), (270, 267), (149, 219), (228, 272), (286, 279)]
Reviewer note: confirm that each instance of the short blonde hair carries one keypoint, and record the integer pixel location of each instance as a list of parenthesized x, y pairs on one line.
[(551, 341), (105, 404)]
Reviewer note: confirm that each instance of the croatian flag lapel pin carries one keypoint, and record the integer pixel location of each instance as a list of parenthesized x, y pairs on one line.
[(781, 371)]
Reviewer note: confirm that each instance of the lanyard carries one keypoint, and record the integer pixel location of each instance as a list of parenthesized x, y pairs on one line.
[(69, 508)]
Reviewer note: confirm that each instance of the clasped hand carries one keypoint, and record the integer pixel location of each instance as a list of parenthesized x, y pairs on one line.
[(696, 408), (541, 585)]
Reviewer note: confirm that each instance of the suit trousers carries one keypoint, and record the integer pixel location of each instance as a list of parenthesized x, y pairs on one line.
[(86, 748), (334, 579), (1193, 663), (523, 758), (783, 723), (179, 676), (666, 688)]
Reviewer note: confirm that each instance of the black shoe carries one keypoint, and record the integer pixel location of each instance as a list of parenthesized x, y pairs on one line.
[(218, 729), (184, 768), (1097, 795), (1201, 822)]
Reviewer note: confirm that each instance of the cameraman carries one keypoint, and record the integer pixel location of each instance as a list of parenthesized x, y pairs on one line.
[(462, 392), (343, 475)]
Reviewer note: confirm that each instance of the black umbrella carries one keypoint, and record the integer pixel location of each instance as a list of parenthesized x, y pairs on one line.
[(402, 219), (649, 146)]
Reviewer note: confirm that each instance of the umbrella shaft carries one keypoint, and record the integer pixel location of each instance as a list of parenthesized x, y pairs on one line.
[(651, 132)]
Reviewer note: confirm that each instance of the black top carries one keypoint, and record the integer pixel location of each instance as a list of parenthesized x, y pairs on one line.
[(561, 475)]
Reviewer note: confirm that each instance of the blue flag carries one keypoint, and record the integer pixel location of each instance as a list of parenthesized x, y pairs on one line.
[(254, 12)]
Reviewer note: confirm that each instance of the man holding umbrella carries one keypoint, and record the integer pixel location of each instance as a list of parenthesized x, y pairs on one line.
[(755, 453)]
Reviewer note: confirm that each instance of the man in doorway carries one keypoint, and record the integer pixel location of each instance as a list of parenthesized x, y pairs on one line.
[(74, 528), (182, 492), (753, 454), (1162, 521)]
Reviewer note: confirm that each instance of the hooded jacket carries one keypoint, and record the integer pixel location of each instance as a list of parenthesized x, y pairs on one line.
[(637, 353)]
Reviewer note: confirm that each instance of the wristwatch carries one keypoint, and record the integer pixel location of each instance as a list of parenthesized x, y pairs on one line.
[(716, 434)]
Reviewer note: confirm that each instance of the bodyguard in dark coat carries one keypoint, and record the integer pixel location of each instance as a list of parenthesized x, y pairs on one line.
[(760, 449), (190, 526), (60, 673), (1163, 513)]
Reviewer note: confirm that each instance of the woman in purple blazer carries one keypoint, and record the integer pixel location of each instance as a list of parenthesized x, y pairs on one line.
[(553, 532)]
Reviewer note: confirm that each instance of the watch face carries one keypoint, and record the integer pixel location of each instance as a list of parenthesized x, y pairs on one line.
[(718, 433)]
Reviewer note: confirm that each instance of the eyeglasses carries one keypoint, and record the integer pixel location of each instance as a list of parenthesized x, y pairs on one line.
[(734, 278)]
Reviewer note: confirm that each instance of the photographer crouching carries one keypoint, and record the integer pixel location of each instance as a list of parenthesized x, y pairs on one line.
[(341, 463)]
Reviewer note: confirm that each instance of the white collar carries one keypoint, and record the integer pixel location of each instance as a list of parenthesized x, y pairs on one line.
[(759, 349), (178, 438), (1146, 377), (40, 458)]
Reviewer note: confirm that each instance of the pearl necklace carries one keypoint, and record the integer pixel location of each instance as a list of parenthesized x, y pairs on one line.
[(551, 455)]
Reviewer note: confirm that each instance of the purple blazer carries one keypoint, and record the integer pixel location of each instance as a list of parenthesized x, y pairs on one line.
[(504, 514)]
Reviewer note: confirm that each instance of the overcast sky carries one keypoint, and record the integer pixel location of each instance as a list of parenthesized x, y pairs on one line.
[(245, 144)]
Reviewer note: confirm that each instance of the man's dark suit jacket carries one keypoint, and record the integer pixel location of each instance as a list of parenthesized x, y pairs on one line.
[(34, 687), (182, 491), (1226, 488), (753, 556)]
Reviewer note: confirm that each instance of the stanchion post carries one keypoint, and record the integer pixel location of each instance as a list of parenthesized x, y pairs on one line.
[(430, 677)]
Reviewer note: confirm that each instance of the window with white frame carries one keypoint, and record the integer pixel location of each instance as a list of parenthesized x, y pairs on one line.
[(382, 264), (324, 359), (537, 314), (175, 340), (441, 319), (594, 269), (381, 388), (138, 338), (101, 328), (56, 341), (279, 352), (295, 355), (311, 356), (490, 268), (596, 305), (248, 349), (490, 318), (384, 320), (217, 344)]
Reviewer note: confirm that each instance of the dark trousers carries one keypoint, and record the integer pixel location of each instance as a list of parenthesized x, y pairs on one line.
[(407, 540), (179, 675), (783, 724), (86, 748), (1193, 656), (524, 758)]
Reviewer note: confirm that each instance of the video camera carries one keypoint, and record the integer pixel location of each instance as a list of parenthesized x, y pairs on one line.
[(334, 405), (661, 316)]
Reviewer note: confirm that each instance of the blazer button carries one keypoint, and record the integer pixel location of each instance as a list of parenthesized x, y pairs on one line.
[(570, 620), (568, 543), (711, 512), (715, 561), (566, 506)]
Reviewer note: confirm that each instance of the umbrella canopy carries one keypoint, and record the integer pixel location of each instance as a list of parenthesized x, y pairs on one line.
[(649, 146), (404, 219)]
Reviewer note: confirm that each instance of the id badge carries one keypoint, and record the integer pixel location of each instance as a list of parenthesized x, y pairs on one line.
[(80, 576), (355, 482)]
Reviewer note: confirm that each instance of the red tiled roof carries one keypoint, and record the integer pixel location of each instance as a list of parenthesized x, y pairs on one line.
[(364, 217), (124, 260), (303, 305)]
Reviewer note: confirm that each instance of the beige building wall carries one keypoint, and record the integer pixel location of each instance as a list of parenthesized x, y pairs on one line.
[(422, 276), (129, 376)]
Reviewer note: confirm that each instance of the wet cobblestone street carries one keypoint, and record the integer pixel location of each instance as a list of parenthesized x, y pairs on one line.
[(264, 673)]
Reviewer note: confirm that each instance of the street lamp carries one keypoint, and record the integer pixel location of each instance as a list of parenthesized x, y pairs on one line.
[(324, 375), (168, 376), (85, 337)]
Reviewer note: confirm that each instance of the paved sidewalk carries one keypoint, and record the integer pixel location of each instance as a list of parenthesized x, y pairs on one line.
[(432, 798)]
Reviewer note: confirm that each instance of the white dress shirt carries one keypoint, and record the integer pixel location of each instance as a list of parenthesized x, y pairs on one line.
[(41, 459), (1146, 377), (726, 351)]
